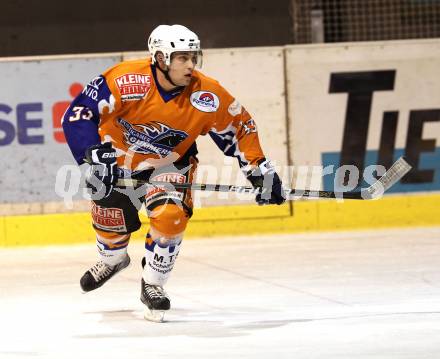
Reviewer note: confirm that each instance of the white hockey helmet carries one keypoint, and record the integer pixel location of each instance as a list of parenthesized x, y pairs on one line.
[(172, 38)]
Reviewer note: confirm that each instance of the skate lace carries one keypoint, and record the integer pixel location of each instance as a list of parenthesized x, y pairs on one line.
[(101, 270), (154, 291)]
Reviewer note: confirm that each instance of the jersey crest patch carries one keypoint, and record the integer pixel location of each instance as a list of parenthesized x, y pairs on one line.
[(205, 101), (153, 138), (133, 87)]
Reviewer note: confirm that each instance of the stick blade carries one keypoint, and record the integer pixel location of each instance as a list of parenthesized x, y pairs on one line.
[(399, 169)]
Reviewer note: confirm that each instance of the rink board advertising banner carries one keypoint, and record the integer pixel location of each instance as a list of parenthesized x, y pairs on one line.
[(366, 104), (33, 98), (352, 104), (37, 93)]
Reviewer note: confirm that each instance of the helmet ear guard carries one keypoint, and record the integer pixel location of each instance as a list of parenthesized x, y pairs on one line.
[(173, 38)]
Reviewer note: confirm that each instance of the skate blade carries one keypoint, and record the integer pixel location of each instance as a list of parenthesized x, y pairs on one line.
[(154, 315)]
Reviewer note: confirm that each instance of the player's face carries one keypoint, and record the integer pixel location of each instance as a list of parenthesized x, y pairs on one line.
[(182, 66)]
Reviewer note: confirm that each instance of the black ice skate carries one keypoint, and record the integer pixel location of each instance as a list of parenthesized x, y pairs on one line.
[(101, 273), (156, 300)]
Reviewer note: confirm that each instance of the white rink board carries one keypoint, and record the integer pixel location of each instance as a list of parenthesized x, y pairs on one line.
[(255, 76), (318, 116)]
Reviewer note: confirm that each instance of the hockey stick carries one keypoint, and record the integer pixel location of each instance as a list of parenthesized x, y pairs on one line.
[(399, 169)]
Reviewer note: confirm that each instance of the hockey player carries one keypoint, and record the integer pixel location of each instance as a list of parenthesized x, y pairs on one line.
[(140, 119)]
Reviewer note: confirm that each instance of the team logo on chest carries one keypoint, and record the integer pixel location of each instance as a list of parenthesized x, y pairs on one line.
[(133, 86), (205, 101), (153, 138)]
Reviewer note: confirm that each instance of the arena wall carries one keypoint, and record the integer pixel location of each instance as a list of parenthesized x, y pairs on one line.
[(316, 106)]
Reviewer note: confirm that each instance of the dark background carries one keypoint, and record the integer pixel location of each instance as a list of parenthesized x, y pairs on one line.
[(43, 27), (31, 27)]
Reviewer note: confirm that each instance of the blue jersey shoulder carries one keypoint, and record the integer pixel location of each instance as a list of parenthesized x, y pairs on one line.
[(81, 119)]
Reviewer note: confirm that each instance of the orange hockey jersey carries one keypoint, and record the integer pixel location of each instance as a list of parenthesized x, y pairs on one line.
[(149, 127)]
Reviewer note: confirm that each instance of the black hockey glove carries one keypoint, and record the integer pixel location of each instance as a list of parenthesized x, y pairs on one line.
[(265, 177), (102, 174)]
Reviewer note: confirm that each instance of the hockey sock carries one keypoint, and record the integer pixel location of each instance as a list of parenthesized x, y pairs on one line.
[(112, 252), (160, 256)]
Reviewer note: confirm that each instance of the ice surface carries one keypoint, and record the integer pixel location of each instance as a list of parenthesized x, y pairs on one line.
[(370, 294)]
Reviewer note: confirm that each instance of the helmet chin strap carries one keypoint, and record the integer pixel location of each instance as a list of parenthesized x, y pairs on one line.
[(166, 74)]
